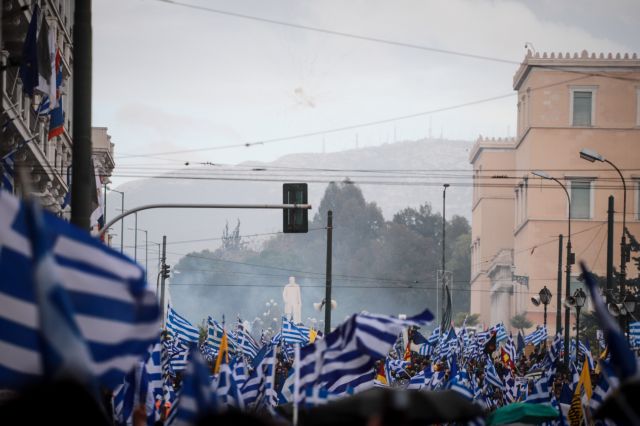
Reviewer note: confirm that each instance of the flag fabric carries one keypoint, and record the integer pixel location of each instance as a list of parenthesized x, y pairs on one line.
[(621, 355), (501, 332), (56, 114), (223, 353), (540, 393), (177, 352), (196, 398), (8, 171), (607, 382), (634, 334), (97, 215), (259, 389), (215, 330), (585, 350), (556, 348), (248, 346), (180, 327), (506, 359), (292, 333), (345, 357), (537, 337), (521, 343), (581, 396), (47, 47), (491, 375), (510, 349), (29, 67), (445, 323), (116, 315), (421, 379)]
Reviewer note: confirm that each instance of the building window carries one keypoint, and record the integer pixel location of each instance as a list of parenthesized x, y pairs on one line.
[(581, 199), (582, 106)]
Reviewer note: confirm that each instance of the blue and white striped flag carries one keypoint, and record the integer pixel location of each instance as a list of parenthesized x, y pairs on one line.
[(540, 393), (95, 297), (607, 382), (215, 330), (491, 376), (180, 327), (248, 346), (177, 354), (510, 348), (345, 358), (634, 334), (292, 333), (259, 389), (8, 170), (195, 398), (537, 337), (501, 332), (434, 337), (421, 380), (585, 350)]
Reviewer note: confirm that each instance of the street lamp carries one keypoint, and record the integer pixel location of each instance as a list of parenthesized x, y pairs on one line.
[(577, 300), (121, 222), (146, 245), (444, 222), (570, 260), (543, 297), (592, 156)]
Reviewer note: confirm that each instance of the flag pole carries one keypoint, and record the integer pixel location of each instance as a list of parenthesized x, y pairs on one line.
[(296, 381)]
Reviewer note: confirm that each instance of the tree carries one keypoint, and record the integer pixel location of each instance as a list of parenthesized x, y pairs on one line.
[(472, 319), (231, 240), (520, 322)]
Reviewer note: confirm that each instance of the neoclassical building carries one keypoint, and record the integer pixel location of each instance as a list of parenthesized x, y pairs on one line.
[(566, 103)]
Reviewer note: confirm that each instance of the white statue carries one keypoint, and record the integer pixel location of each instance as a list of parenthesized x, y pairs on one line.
[(292, 301)]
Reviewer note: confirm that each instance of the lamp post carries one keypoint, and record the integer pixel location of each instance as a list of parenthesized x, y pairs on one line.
[(544, 297), (579, 297), (570, 260), (146, 246), (122, 222), (592, 156), (444, 222)]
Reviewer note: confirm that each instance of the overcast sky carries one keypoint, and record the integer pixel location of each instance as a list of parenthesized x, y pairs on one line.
[(172, 78)]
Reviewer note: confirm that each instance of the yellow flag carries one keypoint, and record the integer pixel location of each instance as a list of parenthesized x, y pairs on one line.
[(583, 388), (312, 335), (223, 352)]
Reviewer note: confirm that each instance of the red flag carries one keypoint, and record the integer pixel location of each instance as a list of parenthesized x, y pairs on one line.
[(506, 359)]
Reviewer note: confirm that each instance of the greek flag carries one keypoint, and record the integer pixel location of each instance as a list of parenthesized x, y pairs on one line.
[(605, 385), (501, 332), (214, 336), (556, 348), (345, 358), (461, 385), (153, 368), (586, 352), (259, 389), (634, 334), (226, 389), (181, 327), (292, 333), (135, 390), (537, 337), (67, 299), (7, 167), (491, 375), (247, 344), (177, 354), (421, 379), (196, 398), (540, 393), (510, 348), (434, 337), (621, 355)]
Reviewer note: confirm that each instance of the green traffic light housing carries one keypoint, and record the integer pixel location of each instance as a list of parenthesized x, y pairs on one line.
[(295, 221)]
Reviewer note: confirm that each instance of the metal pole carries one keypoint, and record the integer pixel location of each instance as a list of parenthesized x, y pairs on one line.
[(559, 288), (104, 210), (610, 212), (206, 206), (327, 294), (135, 237), (444, 222), (545, 315), (122, 227), (577, 331), (81, 184), (146, 251), (162, 291)]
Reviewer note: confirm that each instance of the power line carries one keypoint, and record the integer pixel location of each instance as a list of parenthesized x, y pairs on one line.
[(340, 33)]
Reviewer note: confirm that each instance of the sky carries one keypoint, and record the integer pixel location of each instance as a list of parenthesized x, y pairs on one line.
[(171, 78)]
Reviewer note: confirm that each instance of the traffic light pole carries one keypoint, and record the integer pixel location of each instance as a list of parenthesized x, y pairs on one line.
[(162, 276), (204, 206), (327, 294)]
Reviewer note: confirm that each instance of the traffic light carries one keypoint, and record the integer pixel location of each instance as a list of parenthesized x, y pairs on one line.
[(165, 271), (294, 220)]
